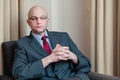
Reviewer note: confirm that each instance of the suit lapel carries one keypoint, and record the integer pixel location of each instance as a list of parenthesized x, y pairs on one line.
[(55, 40), (36, 46)]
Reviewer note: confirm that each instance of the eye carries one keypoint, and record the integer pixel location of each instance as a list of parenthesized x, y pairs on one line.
[(33, 18), (43, 18), (36, 18)]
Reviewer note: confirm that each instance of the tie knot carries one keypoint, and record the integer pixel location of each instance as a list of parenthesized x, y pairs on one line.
[(44, 38)]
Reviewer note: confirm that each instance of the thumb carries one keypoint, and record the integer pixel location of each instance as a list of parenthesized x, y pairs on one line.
[(58, 46)]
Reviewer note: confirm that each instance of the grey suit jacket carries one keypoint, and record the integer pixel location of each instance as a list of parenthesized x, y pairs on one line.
[(28, 65)]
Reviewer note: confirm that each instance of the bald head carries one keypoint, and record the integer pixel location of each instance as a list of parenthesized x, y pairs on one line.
[(35, 10)]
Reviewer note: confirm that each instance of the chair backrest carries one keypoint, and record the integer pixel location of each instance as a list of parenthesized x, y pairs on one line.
[(8, 54)]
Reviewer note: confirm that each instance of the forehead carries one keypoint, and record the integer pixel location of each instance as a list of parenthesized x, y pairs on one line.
[(37, 11)]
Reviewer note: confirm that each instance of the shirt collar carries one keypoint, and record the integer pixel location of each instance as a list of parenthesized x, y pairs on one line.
[(39, 36)]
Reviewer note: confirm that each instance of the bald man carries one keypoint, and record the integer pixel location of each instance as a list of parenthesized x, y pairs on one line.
[(63, 61)]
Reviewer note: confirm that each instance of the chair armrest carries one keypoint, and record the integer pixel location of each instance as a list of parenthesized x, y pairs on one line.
[(6, 77), (99, 76)]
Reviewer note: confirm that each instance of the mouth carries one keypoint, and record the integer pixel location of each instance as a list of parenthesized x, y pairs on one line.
[(38, 26)]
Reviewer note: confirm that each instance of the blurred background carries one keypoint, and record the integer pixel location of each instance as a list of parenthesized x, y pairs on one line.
[(94, 25)]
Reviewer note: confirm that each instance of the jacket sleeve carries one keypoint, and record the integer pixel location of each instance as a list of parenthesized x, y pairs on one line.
[(83, 65), (22, 68)]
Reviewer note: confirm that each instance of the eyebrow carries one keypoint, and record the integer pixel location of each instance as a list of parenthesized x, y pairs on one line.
[(40, 16)]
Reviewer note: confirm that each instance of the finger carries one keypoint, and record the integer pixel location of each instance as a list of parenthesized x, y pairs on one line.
[(65, 47), (59, 53), (67, 51), (67, 56), (61, 49), (62, 58), (57, 46)]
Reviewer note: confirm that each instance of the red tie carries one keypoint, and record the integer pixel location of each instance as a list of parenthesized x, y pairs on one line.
[(46, 45)]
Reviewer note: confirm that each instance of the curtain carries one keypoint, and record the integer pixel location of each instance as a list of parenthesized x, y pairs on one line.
[(12, 25), (1, 30), (105, 36), (118, 39), (8, 22)]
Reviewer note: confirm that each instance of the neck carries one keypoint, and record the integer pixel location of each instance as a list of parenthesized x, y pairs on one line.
[(41, 34)]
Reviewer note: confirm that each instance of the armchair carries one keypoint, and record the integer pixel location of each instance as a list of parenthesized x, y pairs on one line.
[(8, 47)]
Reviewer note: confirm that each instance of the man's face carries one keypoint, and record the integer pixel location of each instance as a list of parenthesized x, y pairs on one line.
[(38, 20)]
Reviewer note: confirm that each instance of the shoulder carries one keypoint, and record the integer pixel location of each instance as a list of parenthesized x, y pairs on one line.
[(58, 33), (23, 40)]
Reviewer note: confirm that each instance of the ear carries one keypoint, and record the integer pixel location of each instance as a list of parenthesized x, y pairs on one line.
[(28, 21)]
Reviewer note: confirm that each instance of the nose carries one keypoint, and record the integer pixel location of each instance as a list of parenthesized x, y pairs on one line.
[(38, 21)]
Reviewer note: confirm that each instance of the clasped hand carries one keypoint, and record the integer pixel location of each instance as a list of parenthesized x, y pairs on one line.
[(60, 53)]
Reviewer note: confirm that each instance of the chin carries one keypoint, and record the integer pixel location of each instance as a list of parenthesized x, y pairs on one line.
[(39, 32)]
